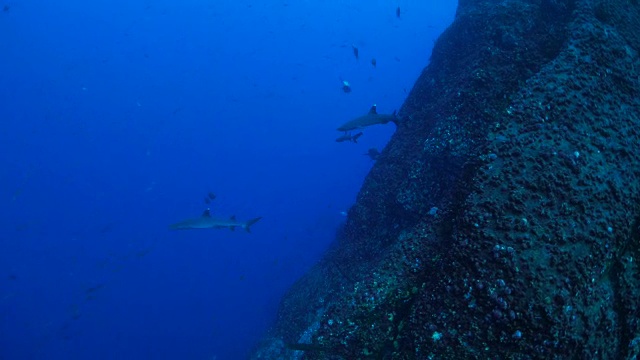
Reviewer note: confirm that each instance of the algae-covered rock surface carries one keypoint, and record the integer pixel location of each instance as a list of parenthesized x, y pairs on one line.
[(502, 220)]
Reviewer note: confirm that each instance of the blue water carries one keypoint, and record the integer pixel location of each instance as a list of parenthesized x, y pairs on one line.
[(118, 117)]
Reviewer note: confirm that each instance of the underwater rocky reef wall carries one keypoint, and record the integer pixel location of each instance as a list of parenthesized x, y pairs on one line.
[(502, 219)]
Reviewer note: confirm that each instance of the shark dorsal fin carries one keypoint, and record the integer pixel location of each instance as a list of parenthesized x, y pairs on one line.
[(206, 213), (373, 110), (233, 218)]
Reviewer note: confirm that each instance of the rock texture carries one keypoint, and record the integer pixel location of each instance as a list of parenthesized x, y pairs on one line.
[(502, 220)]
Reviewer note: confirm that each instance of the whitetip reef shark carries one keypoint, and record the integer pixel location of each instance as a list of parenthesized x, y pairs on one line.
[(206, 221), (371, 118)]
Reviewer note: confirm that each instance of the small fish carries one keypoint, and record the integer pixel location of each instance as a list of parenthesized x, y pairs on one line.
[(374, 62), (371, 118), (6, 8), (207, 200), (373, 153), (348, 137), (75, 314), (356, 53), (93, 289), (398, 12), (108, 227), (211, 195), (143, 252), (346, 87)]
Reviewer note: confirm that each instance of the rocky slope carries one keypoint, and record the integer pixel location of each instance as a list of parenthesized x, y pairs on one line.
[(502, 220)]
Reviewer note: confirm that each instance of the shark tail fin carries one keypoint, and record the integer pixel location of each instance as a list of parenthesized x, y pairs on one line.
[(247, 225)]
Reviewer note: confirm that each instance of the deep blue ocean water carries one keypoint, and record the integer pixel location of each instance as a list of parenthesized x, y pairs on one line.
[(118, 117)]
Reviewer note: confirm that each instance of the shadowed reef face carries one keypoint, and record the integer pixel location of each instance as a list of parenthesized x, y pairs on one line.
[(523, 132)]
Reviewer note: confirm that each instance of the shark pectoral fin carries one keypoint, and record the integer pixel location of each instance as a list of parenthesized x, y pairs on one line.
[(373, 110), (247, 225), (206, 213)]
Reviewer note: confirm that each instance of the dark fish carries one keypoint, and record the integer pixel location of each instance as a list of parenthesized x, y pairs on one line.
[(356, 53), (13, 277), (349, 137), (143, 252), (93, 289), (207, 200), (6, 8), (211, 195), (373, 153), (374, 62), (398, 12), (108, 227)]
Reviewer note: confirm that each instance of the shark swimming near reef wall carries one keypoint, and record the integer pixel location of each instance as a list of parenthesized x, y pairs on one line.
[(371, 118), (206, 221)]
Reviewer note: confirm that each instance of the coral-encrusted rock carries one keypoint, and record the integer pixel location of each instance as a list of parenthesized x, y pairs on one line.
[(502, 220)]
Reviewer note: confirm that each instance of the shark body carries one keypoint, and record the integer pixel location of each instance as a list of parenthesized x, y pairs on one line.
[(371, 118), (206, 221)]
